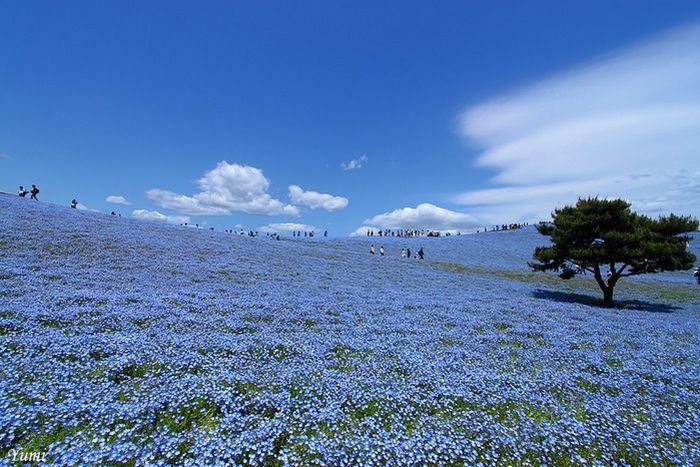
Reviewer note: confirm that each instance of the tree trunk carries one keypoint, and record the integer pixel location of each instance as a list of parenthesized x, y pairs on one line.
[(607, 288), (608, 297)]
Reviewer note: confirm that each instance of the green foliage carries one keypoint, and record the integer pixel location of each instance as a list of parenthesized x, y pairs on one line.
[(597, 233)]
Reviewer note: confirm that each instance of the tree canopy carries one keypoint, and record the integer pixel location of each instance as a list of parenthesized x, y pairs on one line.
[(597, 233)]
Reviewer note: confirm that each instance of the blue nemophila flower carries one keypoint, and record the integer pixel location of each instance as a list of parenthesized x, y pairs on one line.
[(127, 341)]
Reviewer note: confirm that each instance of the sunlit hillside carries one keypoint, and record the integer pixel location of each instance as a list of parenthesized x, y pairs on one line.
[(136, 342)]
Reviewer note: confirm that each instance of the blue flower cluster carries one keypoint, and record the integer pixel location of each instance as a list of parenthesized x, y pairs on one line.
[(148, 344)]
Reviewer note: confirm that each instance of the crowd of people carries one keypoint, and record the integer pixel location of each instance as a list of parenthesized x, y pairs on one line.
[(498, 228), (407, 233), (251, 233)]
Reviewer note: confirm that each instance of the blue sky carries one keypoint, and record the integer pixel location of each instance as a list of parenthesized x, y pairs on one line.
[(341, 115)]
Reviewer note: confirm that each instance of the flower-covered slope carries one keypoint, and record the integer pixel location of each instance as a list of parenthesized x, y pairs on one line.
[(145, 343)]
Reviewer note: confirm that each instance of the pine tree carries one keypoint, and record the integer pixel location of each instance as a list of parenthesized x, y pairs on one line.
[(596, 233)]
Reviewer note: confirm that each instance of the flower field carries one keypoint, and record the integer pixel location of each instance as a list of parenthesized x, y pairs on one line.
[(141, 343)]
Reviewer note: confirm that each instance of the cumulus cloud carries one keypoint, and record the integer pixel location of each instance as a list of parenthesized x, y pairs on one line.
[(424, 216), (225, 189), (624, 126), (114, 199), (145, 214), (286, 227), (355, 163), (316, 200)]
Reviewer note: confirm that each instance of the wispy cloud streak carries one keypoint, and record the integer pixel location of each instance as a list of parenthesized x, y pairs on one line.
[(624, 126)]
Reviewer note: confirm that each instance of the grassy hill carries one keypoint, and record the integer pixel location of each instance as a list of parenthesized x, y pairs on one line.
[(134, 342)]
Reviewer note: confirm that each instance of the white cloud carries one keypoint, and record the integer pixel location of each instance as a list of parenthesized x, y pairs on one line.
[(286, 227), (355, 163), (625, 126), (225, 189), (144, 214), (424, 216), (316, 200), (114, 199)]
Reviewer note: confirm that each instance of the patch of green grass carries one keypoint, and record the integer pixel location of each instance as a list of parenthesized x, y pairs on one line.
[(140, 323), (345, 358), (248, 388), (447, 342), (502, 327), (53, 323), (201, 413), (52, 277), (370, 409), (513, 344), (583, 345), (263, 319), (66, 358), (676, 295), (588, 385), (597, 388), (6, 329), (614, 363), (39, 440), (132, 371), (507, 412)]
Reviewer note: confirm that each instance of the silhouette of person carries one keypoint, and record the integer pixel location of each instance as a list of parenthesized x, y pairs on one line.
[(381, 250), (22, 192), (74, 204), (420, 253), (371, 249), (34, 191)]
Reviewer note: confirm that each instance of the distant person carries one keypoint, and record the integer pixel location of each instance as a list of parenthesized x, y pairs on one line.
[(420, 253), (408, 253), (403, 252), (22, 192), (74, 204), (371, 249), (696, 274), (381, 250), (34, 191)]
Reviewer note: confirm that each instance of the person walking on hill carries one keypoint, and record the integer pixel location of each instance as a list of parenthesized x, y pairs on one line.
[(371, 249), (34, 191), (22, 192), (74, 204), (420, 253), (381, 250)]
